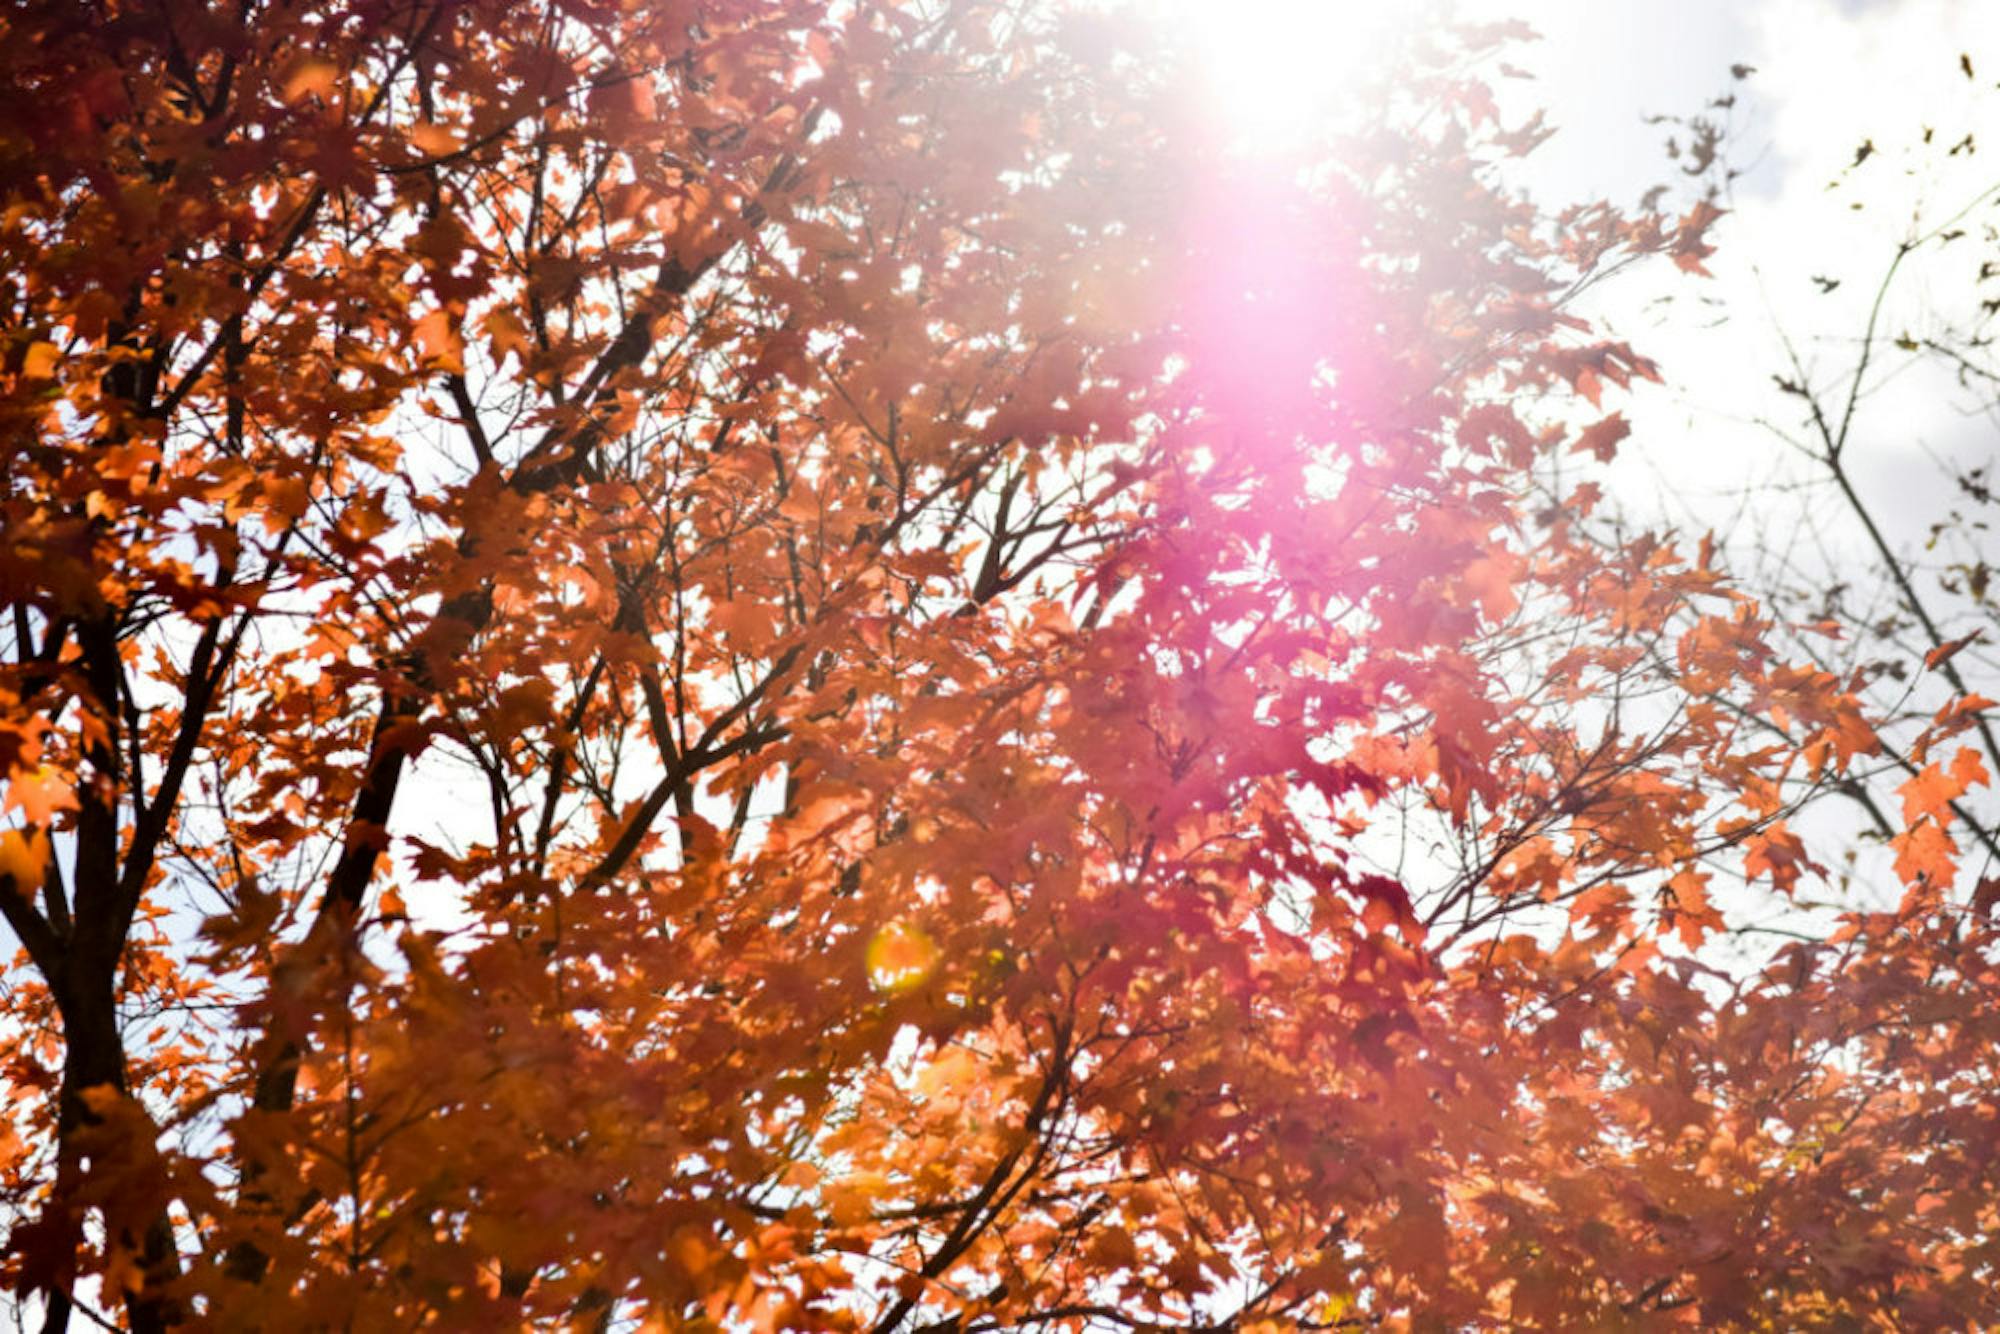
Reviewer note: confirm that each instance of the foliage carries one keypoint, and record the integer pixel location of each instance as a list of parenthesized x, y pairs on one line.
[(744, 664), (1871, 570)]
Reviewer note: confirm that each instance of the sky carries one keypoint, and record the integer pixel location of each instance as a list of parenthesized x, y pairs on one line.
[(1811, 224), (1826, 76), (1822, 79)]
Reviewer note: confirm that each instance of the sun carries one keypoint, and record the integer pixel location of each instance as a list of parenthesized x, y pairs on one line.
[(1273, 73)]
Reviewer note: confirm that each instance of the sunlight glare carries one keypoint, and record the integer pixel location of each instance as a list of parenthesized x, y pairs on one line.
[(1273, 72)]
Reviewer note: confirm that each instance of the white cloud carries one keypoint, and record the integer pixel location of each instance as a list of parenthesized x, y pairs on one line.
[(1830, 75)]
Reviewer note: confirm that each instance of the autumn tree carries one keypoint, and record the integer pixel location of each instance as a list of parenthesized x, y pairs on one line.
[(1885, 586), (749, 664), (1861, 521)]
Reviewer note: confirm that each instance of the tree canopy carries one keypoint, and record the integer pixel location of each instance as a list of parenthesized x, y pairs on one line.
[(762, 664)]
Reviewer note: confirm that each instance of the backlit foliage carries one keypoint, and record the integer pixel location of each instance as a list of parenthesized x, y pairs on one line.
[(753, 664)]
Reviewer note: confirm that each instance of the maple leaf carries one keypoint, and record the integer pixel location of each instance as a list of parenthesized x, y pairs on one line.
[(1600, 440), (1690, 246), (1778, 853), (38, 794), (1925, 852), (1929, 793)]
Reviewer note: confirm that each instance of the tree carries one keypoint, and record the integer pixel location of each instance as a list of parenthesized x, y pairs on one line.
[(1885, 588), (741, 663), (1891, 967)]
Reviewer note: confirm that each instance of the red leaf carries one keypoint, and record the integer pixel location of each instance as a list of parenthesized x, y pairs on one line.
[(1601, 439)]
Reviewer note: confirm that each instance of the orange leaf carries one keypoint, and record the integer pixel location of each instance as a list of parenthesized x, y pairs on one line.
[(24, 856), (507, 333), (1925, 850), (1944, 653), (433, 140), (1778, 853), (439, 340), (312, 78), (39, 794), (1929, 793)]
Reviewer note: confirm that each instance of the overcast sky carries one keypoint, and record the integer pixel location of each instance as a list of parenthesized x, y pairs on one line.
[(1828, 76)]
